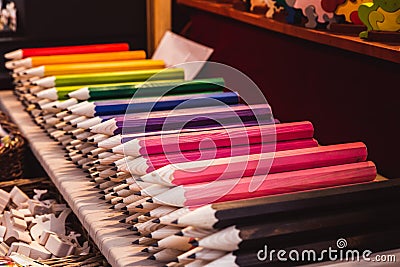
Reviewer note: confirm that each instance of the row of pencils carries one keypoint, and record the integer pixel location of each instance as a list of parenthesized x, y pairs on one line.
[(202, 178)]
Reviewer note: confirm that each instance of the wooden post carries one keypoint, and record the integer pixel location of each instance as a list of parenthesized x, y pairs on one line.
[(158, 22)]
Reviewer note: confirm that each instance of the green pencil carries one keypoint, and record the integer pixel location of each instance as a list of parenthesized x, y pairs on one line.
[(153, 88), (110, 77)]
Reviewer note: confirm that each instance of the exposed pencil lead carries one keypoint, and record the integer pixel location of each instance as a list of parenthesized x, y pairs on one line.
[(156, 220), (193, 256), (150, 200), (194, 243), (179, 233), (175, 222)]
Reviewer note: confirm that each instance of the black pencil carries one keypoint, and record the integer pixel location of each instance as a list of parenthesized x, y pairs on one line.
[(220, 215)]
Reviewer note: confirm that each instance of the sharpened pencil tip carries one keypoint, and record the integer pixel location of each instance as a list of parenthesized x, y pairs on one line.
[(148, 236), (151, 258), (103, 192), (140, 206), (193, 256), (194, 243), (122, 221), (175, 222), (114, 169), (179, 233), (107, 179), (115, 194), (156, 220), (147, 214), (108, 201), (154, 245), (137, 193), (150, 200), (112, 208), (130, 227), (136, 242), (121, 201), (135, 229), (97, 186), (146, 250), (126, 212), (102, 197)]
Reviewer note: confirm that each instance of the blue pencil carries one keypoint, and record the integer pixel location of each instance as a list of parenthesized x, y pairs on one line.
[(123, 106)]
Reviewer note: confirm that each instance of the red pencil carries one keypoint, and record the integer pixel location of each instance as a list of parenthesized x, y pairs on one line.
[(149, 163), (257, 164), (279, 183), (217, 138), (66, 50)]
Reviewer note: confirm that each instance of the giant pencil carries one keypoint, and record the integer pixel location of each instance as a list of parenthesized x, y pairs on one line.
[(271, 184), (66, 50), (37, 61), (220, 138), (109, 77)]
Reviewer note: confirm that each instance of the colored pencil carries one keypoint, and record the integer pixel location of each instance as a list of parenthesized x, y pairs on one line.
[(164, 232), (110, 77), (276, 183), (93, 67), (137, 105), (37, 61), (220, 215), (165, 255), (129, 89), (149, 163), (150, 88), (220, 137), (66, 50), (376, 240), (186, 118), (257, 164), (277, 233), (201, 254)]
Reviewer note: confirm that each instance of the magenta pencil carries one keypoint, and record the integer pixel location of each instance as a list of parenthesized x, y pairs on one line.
[(149, 163), (257, 164), (218, 138), (279, 183)]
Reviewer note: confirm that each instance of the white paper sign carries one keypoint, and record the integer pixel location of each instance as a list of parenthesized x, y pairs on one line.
[(175, 49)]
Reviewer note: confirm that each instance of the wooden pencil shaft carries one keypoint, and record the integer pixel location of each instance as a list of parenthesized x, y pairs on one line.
[(220, 215)]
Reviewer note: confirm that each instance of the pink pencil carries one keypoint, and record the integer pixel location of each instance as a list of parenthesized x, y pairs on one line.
[(279, 183), (149, 163), (216, 138), (257, 164)]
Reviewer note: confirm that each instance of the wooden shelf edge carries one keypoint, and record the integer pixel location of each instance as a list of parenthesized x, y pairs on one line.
[(111, 237), (350, 43)]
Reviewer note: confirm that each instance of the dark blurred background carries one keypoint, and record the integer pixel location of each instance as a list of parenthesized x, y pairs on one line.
[(74, 22)]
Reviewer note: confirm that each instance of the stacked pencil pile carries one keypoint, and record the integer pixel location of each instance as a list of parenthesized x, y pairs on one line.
[(186, 161)]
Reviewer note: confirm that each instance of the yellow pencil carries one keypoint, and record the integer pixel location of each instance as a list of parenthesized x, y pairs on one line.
[(94, 67), (31, 62)]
